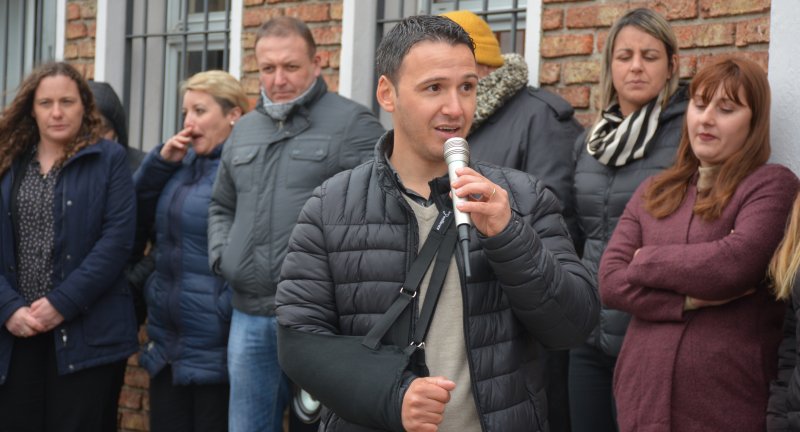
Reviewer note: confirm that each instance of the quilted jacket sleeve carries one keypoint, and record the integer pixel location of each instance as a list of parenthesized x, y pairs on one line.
[(548, 288)]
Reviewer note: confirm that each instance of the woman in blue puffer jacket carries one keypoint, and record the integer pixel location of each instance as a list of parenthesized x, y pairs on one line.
[(188, 307)]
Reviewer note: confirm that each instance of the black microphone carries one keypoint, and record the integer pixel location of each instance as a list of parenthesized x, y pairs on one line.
[(456, 155)]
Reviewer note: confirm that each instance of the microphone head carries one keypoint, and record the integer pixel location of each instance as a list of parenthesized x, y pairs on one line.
[(456, 148)]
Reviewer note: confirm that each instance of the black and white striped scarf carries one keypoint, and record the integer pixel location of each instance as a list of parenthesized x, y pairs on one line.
[(616, 141)]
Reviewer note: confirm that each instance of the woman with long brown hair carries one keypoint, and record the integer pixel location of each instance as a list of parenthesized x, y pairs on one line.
[(67, 222), (687, 261)]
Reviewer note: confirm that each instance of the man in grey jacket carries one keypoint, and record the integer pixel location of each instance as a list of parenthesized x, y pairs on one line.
[(298, 136), (357, 236), (528, 129)]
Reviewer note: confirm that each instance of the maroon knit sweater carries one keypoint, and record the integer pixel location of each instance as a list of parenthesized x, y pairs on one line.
[(709, 369)]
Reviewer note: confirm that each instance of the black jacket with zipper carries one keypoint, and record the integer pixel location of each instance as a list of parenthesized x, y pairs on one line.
[(348, 257)]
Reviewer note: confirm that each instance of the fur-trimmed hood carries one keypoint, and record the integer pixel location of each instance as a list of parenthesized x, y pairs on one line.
[(499, 86)]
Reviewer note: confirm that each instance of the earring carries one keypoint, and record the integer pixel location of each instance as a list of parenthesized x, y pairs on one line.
[(232, 123)]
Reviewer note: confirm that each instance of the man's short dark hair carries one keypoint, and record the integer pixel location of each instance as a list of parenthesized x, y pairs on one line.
[(411, 31), (285, 26)]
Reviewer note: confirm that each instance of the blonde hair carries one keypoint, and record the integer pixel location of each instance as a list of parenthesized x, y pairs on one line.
[(222, 86), (786, 261), (656, 26)]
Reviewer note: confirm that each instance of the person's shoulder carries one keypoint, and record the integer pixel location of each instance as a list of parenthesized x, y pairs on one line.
[(774, 173), (549, 100), (337, 102)]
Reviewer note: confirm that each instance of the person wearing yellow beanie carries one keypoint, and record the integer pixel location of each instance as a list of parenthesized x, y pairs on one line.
[(531, 130), (487, 49)]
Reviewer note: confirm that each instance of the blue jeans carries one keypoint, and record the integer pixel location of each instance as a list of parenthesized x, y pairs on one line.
[(259, 389)]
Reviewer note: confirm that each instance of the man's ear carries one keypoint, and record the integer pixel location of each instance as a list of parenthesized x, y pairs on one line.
[(386, 93)]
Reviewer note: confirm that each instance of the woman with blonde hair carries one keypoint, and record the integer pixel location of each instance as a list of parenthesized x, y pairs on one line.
[(189, 308), (635, 136), (783, 411), (67, 223), (688, 259)]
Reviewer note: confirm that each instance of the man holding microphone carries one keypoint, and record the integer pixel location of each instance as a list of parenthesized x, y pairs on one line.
[(361, 232)]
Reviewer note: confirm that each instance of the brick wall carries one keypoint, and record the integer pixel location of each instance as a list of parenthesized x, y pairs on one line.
[(324, 17), (80, 33), (574, 33)]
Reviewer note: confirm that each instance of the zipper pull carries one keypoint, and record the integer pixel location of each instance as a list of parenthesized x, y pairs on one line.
[(64, 336)]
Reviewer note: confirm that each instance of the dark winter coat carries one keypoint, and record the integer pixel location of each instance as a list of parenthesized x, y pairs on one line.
[(188, 307), (94, 220), (601, 193), (268, 170), (355, 240), (707, 369), (526, 128)]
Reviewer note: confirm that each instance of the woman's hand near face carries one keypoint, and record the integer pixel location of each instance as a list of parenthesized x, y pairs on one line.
[(176, 147)]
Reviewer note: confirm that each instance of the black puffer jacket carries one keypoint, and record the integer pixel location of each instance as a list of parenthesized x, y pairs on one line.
[(783, 410), (348, 256), (601, 193)]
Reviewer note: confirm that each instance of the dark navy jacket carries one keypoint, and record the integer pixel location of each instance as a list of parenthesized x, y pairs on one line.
[(189, 309), (94, 218)]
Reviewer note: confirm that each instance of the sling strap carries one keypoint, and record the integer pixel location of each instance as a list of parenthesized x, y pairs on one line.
[(442, 239)]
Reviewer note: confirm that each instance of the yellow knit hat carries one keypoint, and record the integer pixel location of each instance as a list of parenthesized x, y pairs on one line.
[(487, 50)]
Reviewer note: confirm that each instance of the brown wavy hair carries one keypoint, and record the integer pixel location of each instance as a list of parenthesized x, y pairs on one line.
[(665, 194), (18, 130)]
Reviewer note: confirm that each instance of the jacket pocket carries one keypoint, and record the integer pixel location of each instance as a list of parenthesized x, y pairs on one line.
[(243, 168), (307, 167), (110, 321)]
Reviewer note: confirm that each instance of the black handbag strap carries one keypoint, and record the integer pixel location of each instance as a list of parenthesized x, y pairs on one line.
[(442, 229)]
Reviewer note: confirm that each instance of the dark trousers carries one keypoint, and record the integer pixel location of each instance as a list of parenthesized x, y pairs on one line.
[(591, 397), (35, 398), (187, 408), (556, 388)]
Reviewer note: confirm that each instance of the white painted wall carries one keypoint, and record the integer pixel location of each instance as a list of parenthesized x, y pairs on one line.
[(357, 58), (784, 64)]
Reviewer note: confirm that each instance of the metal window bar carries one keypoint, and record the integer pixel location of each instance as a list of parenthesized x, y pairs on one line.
[(183, 31)]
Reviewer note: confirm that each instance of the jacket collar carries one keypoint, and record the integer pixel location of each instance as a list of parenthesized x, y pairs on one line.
[(498, 87), (319, 89)]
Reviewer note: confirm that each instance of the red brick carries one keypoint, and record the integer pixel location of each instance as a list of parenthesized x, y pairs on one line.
[(86, 49), (716, 8), (563, 1), (70, 50), (324, 58), (146, 399), (91, 29), (249, 63), (336, 11), (134, 421), (280, 1), (560, 46), (317, 12), (675, 9), (251, 85), (550, 73), (577, 96), (248, 40), (687, 66), (73, 11), (601, 37), (133, 360), (595, 16), (76, 30), (332, 79), (705, 35), (89, 10), (253, 2), (752, 31), (327, 35), (137, 377), (552, 19), (760, 57), (581, 72), (88, 71), (129, 398), (586, 119), (254, 17), (252, 102), (336, 55)]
